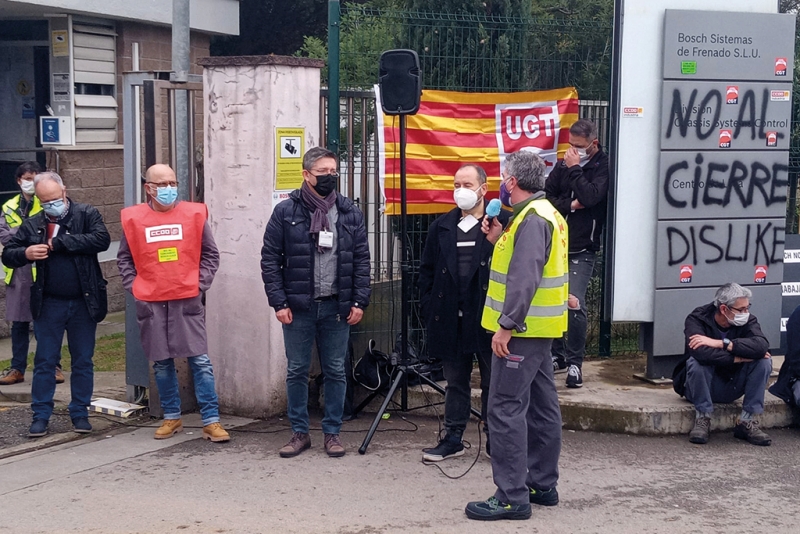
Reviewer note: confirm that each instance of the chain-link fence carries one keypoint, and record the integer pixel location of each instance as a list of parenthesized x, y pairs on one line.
[(464, 53)]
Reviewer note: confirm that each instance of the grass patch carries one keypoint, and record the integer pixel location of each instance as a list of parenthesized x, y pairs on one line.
[(109, 355)]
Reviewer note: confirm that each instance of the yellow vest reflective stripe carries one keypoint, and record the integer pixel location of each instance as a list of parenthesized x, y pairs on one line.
[(13, 218), (547, 315)]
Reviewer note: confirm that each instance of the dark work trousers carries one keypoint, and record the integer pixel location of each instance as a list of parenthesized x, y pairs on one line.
[(20, 343), (525, 419), (572, 347), (458, 393), (704, 387)]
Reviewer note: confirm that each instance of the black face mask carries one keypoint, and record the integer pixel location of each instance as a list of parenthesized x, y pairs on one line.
[(325, 184)]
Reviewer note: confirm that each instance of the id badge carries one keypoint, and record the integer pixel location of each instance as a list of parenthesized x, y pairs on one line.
[(325, 239)]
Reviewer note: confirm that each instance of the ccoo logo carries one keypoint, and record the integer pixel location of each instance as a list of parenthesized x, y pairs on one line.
[(732, 94), (725, 138), (780, 66)]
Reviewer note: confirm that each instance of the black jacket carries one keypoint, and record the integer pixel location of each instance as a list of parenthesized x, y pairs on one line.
[(439, 290), (748, 342), (84, 236), (790, 370), (287, 257), (588, 184)]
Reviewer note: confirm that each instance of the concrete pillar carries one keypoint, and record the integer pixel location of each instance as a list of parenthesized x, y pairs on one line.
[(245, 99)]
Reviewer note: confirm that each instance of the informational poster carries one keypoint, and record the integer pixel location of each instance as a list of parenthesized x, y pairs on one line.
[(289, 150), (61, 87), (60, 43)]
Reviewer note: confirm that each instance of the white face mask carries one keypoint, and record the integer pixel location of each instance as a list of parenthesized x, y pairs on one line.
[(465, 198), (27, 187), (740, 319)]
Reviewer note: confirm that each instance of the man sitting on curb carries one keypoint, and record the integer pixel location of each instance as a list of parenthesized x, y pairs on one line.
[(726, 357), (787, 387)]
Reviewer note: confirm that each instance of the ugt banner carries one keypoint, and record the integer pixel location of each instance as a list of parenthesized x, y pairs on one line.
[(453, 128)]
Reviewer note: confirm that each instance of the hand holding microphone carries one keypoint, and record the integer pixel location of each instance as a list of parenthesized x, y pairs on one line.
[(491, 226)]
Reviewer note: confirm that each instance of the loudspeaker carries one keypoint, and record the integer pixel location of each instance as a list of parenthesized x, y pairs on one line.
[(400, 82)]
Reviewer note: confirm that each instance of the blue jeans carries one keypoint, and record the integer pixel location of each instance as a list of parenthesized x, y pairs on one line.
[(331, 331), (203, 377), (56, 317), (704, 387), (572, 347)]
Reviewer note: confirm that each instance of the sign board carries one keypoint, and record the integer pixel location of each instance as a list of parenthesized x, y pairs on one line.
[(720, 45), (709, 253), (60, 43), (638, 82), (790, 288), (289, 150), (725, 115), (725, 127), (717, 184), (55, 131)]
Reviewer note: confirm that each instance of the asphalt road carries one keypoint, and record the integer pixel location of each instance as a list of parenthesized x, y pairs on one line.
[(609, 484)]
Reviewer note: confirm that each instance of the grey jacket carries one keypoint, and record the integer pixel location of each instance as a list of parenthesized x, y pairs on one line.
[(18, 292), (173, 328)]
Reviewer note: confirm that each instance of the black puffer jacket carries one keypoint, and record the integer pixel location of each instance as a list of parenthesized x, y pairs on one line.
[(287, 257), (589, 185), (790, 370), (83, 238)]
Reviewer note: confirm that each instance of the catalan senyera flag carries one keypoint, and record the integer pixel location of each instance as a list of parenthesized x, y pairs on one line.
[(453, 128)]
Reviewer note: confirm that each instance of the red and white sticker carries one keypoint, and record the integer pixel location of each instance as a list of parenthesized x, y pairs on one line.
[(165, 232), (725, 138), (780, 66), (780, 95), (772, 139), (732, 94), (760, 276), (632, 112), (686, 274)]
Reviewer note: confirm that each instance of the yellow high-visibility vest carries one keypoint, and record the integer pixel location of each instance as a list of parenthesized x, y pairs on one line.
[(547, 315), (14, 219)]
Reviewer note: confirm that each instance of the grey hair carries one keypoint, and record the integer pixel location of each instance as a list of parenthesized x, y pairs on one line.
[(528, 168), (478, 169), (48, 176), (730, 293), (315, 154), (584, 128)]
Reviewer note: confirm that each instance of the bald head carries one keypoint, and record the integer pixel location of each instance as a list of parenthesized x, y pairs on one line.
[(159, 173)]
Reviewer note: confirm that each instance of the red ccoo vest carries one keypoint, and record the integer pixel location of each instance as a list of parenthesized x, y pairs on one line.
[(166, 250)]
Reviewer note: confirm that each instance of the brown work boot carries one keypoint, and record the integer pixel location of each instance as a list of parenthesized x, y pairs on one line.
[(296, 445), (59, 376), (11, 376), (168, 428), (700, 430), (333, 446), (215, 433), (750, 431)]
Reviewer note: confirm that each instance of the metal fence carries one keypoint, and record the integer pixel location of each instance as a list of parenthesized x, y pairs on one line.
[(470, 53)]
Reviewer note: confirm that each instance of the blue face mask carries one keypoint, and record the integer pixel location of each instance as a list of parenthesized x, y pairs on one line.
[(55, 208), (166, 196)]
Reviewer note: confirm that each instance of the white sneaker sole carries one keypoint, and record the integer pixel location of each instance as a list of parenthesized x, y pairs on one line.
[(438, 458)]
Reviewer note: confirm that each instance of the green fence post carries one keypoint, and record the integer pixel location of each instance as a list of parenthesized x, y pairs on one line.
[(333, 76)]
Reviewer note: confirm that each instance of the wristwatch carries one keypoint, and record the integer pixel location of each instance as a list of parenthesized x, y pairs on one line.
[(725, 343)]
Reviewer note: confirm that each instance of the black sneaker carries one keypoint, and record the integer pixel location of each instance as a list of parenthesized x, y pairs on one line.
[(81, 425), (700, 430), (574, 377), (38, 428), (544, 498), (749, 430), (491, 510), (449, 447), (559, 366)]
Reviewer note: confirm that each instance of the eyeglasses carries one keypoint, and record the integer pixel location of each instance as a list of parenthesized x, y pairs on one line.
[(744, 309), (323, 172), (163, 184)]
